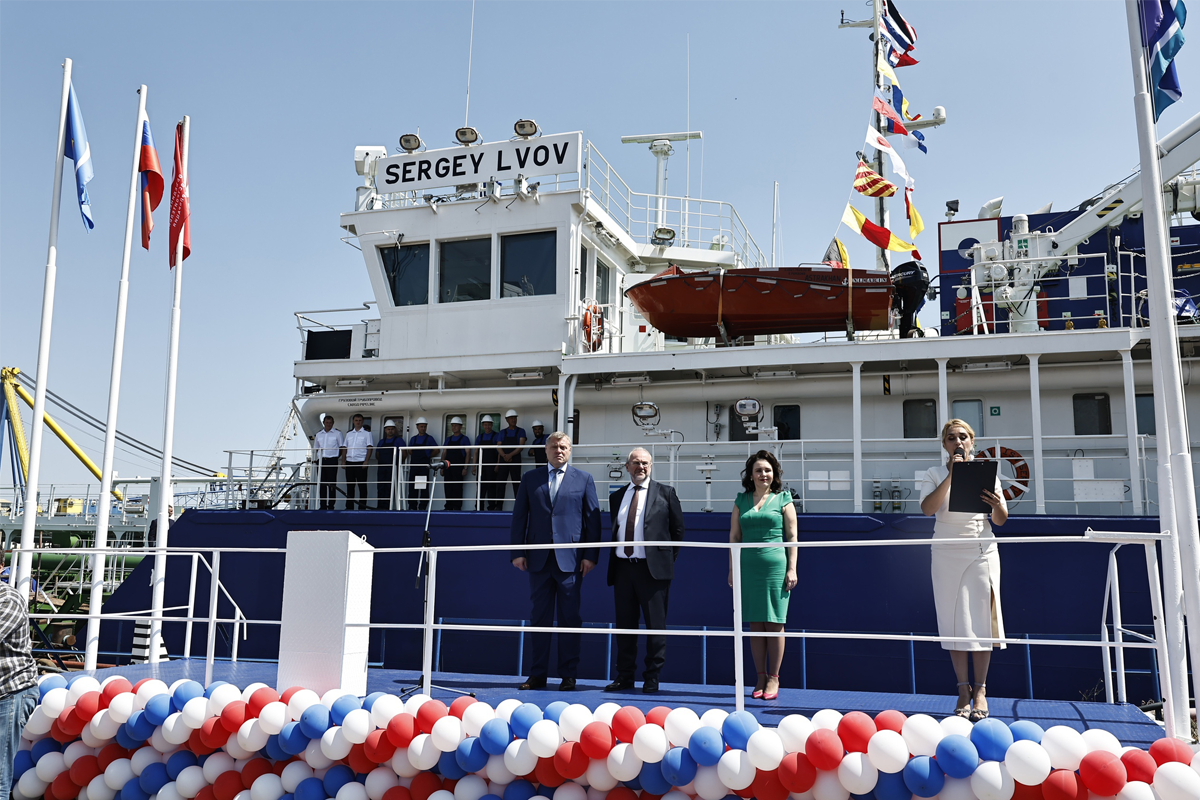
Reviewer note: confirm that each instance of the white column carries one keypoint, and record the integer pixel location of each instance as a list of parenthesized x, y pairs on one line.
[(1131, 434), (1035, 413), (943, 394), (857, 473)]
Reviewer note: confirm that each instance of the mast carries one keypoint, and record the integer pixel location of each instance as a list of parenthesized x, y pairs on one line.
[(881, 209)]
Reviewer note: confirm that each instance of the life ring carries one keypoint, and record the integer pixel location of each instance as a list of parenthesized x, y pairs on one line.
[(1020, 483), (593, 327)]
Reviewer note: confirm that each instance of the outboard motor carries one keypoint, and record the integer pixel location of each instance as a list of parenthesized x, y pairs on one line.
[(910, 281)]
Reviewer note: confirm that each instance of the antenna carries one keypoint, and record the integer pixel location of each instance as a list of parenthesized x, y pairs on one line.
[(774, 222), (660, 145), (470, 54)]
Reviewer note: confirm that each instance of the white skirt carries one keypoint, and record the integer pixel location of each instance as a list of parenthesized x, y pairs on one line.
[(966, 588)]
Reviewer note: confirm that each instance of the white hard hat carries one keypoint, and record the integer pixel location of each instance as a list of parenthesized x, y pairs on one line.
[(487, 418), (456, 421), (537, 423), (391, 423), (512, 412), (421, 421)]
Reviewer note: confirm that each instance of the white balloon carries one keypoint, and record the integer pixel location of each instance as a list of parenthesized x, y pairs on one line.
[(735, 769), (234, 749), (570, 791), (1137, 790), (222, 696), (300, 701), (447, 734), (708, 784), (315, 757), (251, 736), (680, 724), (573, 720), (598, 776), (519, 758), (1064, 746), (676, 794), (605, 712), (1099, 739), (82, 686), (416, 701), (595, 794), (116, 775), (506, 707), (384, 709), (765, 748), (357, 725), (54, 702), (380, 779), (273, 717), (991, 781), (828, 787), (442, 794), (292, 774), (31, 785), (91, 740), (922, 733), (401, 765), (190, 781), (714, 718), (470, 787), (330, 696), (650, 743), (73, 751), (334, 744), (954, 725), (267, 786), (858, 774), (623, 762), (1173, 781), (247, 693), (355, 791), (121, 707), (40, 721), (544, 738), (957, 789), (827, 718), (174, 729), (1027, 762), (50, 765), (497, 772), (216, 764), (151, 688), (794, 730), (195, 712), (158, 740), (97, 789), (887, 751), (422, 753), (475, 716), (167, 792)]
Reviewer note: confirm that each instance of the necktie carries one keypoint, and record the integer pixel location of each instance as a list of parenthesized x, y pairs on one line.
[(555, 478), (631, 522)]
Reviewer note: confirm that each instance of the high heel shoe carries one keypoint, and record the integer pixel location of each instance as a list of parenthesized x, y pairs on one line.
[(757, 693), (774, 694), (964, 710), (978, 713)]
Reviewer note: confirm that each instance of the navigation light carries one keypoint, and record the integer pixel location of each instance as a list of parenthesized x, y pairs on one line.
[(663, 237), (526, 128), (411, 143), (466, 135)]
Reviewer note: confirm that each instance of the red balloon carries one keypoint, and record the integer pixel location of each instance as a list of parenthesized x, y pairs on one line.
[(206, 793), (278, 766), (359, 761), (430, 712), (619, 793), (69, 723), (546, 774), (213, 733), (397, 793), (1139, 765), (84, 769), (596, 739), (401, 729), (378, 747), (198, 746), (58, 734), (855, 730), (254, 769), (796, 773), (227, 785), (113, 688), (890, 721), (449, 784), (1103, 773), (570, 761), (460, 705), (747, 793), (1063, 784), (64, 787), (259, 700), (286, 697), (423, 785), (658, 715), (87, 706), (625, 723), (48, 794), (233, 715), (1165, 750), (110, 753), (824, 749), (767, 785), (647, 796), (1022, 791)]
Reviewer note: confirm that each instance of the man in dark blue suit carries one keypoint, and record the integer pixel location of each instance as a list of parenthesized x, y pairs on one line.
[(555, 504)]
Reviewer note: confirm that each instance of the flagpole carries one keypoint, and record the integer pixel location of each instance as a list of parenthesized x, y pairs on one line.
[(1180, 576), (29, 519), (103, 506), (881, 209), (165, 494)]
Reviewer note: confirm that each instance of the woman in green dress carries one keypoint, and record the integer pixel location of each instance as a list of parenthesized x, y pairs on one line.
[(763, 513)]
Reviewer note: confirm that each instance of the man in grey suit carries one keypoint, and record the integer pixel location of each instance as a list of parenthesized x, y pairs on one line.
[(642, 511), (555, 504)]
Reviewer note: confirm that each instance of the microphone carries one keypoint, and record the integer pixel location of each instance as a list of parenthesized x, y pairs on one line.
[(960, 452), (437, 464)]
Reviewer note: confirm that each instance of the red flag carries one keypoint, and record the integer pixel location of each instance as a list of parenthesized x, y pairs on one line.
[(180, 206), (151, 180)]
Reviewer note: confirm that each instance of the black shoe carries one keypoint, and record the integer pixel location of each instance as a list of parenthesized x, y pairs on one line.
[(533, 683), (650, 685), (567, 685), (620, 685)]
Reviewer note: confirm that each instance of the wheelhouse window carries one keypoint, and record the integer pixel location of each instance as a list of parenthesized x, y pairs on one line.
[(465, 271), (407, 271), (527, 264), (787, 421), (1092, 415), (920, 419)]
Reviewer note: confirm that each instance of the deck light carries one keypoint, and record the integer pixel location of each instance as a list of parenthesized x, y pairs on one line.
[(526, 128), (466, 135), (411, 143), (525, 376), (646, 415), (951, 209), (663, 237)]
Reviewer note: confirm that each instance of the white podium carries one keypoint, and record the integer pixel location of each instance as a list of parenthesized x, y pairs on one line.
[(324, 588)]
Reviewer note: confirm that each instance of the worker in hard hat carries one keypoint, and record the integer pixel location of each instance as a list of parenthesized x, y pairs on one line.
[(538, 450), (418, 469), (455, 455), (387, 456), (490, 486), (512, 440)]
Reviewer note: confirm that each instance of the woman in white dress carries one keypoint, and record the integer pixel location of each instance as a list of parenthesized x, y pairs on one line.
[(966, 575)]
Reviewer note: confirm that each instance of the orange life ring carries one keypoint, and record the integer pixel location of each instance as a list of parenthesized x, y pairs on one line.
[(1020, 469), (593, 327)]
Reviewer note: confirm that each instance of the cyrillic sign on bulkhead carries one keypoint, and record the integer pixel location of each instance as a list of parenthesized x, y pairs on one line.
[(453, 166)]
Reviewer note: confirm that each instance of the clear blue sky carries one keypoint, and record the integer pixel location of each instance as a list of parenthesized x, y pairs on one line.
[(1038, 95)]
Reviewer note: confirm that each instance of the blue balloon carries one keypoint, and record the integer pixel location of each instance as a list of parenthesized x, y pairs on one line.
[(154, 776), (311, 789), (132, 790), (991, 738), (126, 740), (369, 701), (343, 706), (314, 721), (449, 766), (337, 777), (470, 754), (274, 749), (520, 789), (555, 709), (158, 708), (957, 756), (202, 758), (485, 797), (1024, 729), (22, 763), (188, 690), (706, 746), (634, 784), (891, 786), (522, 719), (208, 690), (141, 727), (923, 776), (51, 682), (293, 741), (678, 766), (737, 729), (495, 736), (545, 791), (652, 779), (178, 761), (43, 746)]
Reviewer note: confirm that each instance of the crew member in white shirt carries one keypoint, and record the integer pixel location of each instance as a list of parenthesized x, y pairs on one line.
[(329, 445), (355, 457)]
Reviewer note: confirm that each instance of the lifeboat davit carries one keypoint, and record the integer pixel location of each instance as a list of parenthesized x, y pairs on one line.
[(756, 301)]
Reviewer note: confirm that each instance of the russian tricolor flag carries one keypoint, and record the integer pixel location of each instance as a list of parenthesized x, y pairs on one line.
[(152, 182)]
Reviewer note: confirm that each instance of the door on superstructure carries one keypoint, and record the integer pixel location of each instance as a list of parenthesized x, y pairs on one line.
[(970, 412)]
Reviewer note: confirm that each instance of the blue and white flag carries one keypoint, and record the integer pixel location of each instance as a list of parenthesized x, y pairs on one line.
[(1162, 36), (76, 148)]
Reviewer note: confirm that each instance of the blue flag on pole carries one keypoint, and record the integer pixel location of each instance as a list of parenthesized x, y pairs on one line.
[(1162, 36), (76, 148)]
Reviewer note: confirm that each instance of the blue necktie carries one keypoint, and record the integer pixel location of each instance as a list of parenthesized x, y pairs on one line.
[(555, 478)]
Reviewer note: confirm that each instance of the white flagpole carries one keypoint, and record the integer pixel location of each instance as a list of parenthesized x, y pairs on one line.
[(1177, 497), (165, 492), (29, 520), (103, 505)]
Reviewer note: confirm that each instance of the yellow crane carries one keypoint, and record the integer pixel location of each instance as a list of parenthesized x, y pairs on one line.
[(13, 390)]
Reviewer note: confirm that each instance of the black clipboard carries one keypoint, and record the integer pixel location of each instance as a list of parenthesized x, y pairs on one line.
[(970, 479)]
